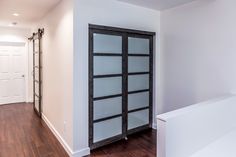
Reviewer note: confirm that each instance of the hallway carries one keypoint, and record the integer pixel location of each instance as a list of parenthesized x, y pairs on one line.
[(23, 134)]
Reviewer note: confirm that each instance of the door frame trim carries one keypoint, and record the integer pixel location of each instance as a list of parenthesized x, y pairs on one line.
[(9, 43)]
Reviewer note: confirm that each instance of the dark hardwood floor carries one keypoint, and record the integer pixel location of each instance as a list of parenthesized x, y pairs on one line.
[(23, 134), (139, 145)]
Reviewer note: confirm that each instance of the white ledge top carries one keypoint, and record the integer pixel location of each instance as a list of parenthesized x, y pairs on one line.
[(169, 115)]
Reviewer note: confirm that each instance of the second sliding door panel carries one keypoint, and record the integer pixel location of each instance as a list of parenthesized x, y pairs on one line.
[(36, 69), (107, 87), (139, 81), (120, 84)]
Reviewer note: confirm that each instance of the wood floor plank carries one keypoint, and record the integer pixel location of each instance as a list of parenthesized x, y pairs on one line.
[(23, 134), (139, 145)]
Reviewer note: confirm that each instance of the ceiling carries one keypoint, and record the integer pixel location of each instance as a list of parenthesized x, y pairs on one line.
[(33, 10), (157, 4), (28, 10)]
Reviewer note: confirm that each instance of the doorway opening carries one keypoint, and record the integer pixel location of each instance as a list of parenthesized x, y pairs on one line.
[(12, 72)]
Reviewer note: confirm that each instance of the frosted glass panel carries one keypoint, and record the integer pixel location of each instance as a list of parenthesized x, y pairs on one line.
[(138, 100), (36, 46), (36, 59), (138, 64), (36, 72), (138, 46), (36, 88), (107, 107), (107, 86), (36, 43), (107, 65), (138, 82), (36, 103), (137, 119), (107, 43), (107, 129)]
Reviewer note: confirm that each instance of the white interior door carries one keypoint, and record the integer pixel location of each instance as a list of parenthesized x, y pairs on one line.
[(12, 74)]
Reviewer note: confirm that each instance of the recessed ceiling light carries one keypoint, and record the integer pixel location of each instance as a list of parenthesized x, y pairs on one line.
[(12, 24), (15, 14)]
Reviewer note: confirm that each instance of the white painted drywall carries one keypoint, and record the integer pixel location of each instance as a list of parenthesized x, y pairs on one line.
[(186, 131), (158, 4), (198, 44), (223, 146), (29, 11), (109, 13), (57, 69), (11, 34), (19, 35)]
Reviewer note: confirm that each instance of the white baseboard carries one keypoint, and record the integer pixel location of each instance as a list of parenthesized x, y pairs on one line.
[(58, 136), (79, 153), (29, 100)]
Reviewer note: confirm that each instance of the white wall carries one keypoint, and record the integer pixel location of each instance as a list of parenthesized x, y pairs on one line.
[(109, 13), (57, 63), (183, 133), (19, 35), (198, 52), (12, 34)]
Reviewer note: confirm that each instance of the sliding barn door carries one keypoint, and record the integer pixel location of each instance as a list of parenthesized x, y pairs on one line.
[(120, 84), (37, 71), (106, 88), (140, 75)]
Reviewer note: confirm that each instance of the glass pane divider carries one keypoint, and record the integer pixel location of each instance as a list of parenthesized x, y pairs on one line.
[(107, 118), (139, 91), (138, 109), (138, 73), (107, 54), (106, 97), (107, 75), (125, 85), (139, 55)]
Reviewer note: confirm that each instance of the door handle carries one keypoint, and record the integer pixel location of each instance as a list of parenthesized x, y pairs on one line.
[(23, 76)]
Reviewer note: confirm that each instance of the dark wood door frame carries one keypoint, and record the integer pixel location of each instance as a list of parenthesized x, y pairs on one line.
[(125, 33)]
